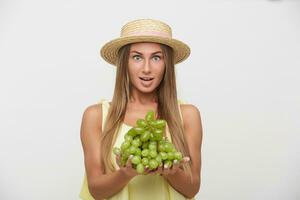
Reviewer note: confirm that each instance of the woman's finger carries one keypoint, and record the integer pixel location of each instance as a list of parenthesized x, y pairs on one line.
[(166, 169), (160, 170), (149, 171), (175, 165), (184, 160), (152, 171), (128, 163), (118, 160), (146, 170)]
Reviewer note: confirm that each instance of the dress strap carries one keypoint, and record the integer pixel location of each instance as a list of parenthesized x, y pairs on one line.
[(105, 107), (180, 114)]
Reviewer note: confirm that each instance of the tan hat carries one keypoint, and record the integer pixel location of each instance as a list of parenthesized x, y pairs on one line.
[(145, 30)]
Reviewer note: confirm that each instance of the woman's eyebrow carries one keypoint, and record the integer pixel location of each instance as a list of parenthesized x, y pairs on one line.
[(141, 53)]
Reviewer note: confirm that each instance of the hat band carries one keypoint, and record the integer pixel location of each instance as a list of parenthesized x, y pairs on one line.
[(148, 33)]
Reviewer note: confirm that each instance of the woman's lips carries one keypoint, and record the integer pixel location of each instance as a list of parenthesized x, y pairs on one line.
[(146, 78), (146, 83)]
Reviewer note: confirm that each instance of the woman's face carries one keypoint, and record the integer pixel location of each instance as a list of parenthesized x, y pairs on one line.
[(146, 66)]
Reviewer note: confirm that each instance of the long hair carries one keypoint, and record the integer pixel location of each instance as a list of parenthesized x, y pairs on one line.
[(167, 107)]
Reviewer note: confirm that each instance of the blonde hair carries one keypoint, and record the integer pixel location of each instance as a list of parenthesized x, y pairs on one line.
[(167, 107)]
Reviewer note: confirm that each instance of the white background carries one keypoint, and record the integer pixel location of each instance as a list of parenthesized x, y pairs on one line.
[(242, 74)]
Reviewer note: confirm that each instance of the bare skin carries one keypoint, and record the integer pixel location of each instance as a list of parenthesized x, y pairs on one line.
[(145, 60)]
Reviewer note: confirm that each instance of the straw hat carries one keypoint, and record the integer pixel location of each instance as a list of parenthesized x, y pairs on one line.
[(145, 30)]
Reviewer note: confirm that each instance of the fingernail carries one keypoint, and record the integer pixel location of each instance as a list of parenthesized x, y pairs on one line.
[(187, 159), (166, 166), (175, 161), (130, 156)]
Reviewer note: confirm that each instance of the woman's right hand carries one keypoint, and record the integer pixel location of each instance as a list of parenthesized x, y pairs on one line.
[(128, 169)]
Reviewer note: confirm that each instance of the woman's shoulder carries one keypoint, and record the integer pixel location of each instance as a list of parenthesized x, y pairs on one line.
[(95, 110), (191, 114), (187, 108), (192, 123), (93, 113)]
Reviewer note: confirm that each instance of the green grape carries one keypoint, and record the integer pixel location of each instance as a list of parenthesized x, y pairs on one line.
[(159, 124), (125, 153), (128, 138), (149, 116), (148, 128), (138, 152), (145, 145), (136, 142), (162, 141), (140, 168), (153, 153), (157, 135), (170, 155), (125, 145), (153, 164), (116, 150), (145, 136), (132, 132), (167, 163), (136, 160), (152, 138), (141, 123), (151, 124), (158, 131), (145, 152), (139, 130), (161, 148), (153, 142), (145, 161), (158, 158), (164, 155), (168, 147), (178, 156), (132, 149), (152, 147)]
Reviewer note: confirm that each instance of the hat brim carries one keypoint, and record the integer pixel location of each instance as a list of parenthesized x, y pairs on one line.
[(109, 52)]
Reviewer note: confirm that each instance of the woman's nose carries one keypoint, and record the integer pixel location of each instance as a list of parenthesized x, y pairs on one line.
[(147, 66)]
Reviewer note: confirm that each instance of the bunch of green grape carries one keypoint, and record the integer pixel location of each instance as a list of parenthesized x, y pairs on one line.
[(146, 143)]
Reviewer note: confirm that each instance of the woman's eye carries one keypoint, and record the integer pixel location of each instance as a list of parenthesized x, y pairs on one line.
[(136, 56), (158, 58)]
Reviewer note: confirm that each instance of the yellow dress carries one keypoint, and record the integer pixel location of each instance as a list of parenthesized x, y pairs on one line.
[(141, 187)]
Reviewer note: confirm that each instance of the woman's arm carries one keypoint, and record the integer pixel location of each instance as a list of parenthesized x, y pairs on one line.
[(106, 185), (100, 185), (193, 133)]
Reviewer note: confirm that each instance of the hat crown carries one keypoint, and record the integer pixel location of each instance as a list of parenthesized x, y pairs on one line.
[(146, 27)]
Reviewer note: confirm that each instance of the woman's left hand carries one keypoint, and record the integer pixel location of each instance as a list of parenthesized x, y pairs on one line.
[(165, 170)]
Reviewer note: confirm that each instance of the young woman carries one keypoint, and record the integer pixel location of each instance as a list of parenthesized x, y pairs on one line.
[(145, 56)]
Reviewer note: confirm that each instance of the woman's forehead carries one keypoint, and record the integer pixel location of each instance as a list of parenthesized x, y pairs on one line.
[(145, 47)]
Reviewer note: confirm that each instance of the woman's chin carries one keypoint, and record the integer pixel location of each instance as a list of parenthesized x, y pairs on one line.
[(143, 89)]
